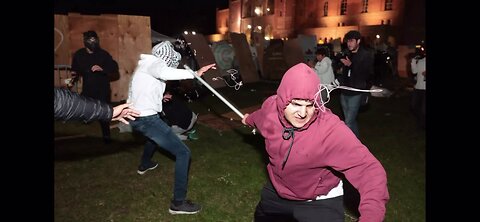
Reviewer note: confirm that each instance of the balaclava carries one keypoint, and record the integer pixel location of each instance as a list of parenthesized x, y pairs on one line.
[(91, 41)]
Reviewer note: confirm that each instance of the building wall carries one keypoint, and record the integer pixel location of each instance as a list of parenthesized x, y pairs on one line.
[(292, 17)]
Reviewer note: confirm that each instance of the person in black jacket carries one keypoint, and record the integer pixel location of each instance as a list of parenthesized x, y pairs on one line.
[(357, 70), (96, 66), (72, 106)]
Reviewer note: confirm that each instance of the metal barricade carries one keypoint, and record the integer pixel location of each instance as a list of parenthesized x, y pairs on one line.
[(63, 75)]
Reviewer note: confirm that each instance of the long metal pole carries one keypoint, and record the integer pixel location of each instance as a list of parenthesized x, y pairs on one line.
[(214, 91)]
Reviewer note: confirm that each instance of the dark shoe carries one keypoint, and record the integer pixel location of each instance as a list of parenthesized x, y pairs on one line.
[(143, 169), (185, 207)]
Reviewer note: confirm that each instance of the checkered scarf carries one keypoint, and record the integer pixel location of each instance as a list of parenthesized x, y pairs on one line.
[(167, 53)]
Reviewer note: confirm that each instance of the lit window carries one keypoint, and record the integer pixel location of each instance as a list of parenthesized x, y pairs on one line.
[(325, 9), (364, 6), (388, 5), (343, 7)]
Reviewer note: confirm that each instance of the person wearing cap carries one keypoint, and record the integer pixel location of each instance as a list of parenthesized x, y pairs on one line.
[(310, 152), (357, 71), (146, 93), (94, 65)]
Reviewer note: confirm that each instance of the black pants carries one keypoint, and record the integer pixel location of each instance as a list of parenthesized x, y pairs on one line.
[(418, 107), (276, 209)]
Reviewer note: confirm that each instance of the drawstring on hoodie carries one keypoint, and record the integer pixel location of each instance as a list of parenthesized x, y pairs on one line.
[(287, 133)]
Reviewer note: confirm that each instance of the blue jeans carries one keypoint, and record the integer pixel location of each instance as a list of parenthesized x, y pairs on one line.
[(159, 134), (350, 107)]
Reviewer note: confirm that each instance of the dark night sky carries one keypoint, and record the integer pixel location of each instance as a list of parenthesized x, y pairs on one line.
[(167, 17)]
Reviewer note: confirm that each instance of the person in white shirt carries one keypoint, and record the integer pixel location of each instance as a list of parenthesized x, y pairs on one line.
[(146, 94), (324, 70), (418, 65)]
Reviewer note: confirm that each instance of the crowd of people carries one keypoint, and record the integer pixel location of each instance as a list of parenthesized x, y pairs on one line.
[(311, 151)]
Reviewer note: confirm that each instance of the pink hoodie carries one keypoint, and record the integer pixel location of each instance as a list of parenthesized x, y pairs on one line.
[(323, 144)]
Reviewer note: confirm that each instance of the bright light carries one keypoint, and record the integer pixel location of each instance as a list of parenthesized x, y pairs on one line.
[(268, 9), (185, 32), (259, 27), (249, 26), (378, 36), (257, 10), (194, 33)]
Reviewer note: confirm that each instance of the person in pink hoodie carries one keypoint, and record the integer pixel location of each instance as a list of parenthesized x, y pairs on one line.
[(310, 149)]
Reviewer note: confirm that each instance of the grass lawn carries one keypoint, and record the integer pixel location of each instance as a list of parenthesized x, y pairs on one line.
[(97, 182)]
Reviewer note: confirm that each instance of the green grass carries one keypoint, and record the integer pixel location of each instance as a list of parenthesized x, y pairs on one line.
[(96, 182)]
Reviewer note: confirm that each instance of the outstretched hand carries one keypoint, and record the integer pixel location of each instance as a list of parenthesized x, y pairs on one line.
[(122, 111), (244, 118), (205, 68)]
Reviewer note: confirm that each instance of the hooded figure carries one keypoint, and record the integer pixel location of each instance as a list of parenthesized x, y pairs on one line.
[(96, 66), (91, 41), (306, 150)]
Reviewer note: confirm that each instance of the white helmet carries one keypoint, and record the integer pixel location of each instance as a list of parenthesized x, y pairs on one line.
[(165, 51)]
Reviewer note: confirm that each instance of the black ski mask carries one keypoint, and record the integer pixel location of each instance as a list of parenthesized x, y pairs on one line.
[(90, 40)]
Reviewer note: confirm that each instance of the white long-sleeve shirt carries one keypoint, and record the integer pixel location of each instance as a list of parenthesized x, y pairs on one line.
[(418, 68), (148, 84)]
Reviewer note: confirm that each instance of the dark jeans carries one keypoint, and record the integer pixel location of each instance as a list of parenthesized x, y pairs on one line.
[(350, 106), (159, 134), (274, 208), (418, 107)]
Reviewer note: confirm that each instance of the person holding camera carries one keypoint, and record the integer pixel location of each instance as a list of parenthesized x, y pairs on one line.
[(357, 71), (418, 65)]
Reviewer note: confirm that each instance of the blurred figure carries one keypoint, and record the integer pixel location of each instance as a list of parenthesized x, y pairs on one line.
[(179, 117), (94, 65), (418, 65), (324, 70)]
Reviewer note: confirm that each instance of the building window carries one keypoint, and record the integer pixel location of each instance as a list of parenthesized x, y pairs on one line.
[(325, 9), (343, 7), (364, 6), (389, 22), (270, 9), (247, 12), (281, 13), (388, 5)]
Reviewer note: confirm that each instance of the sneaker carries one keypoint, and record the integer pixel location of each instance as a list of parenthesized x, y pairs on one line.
[(142, 169), (192, 135), (186, 207)]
